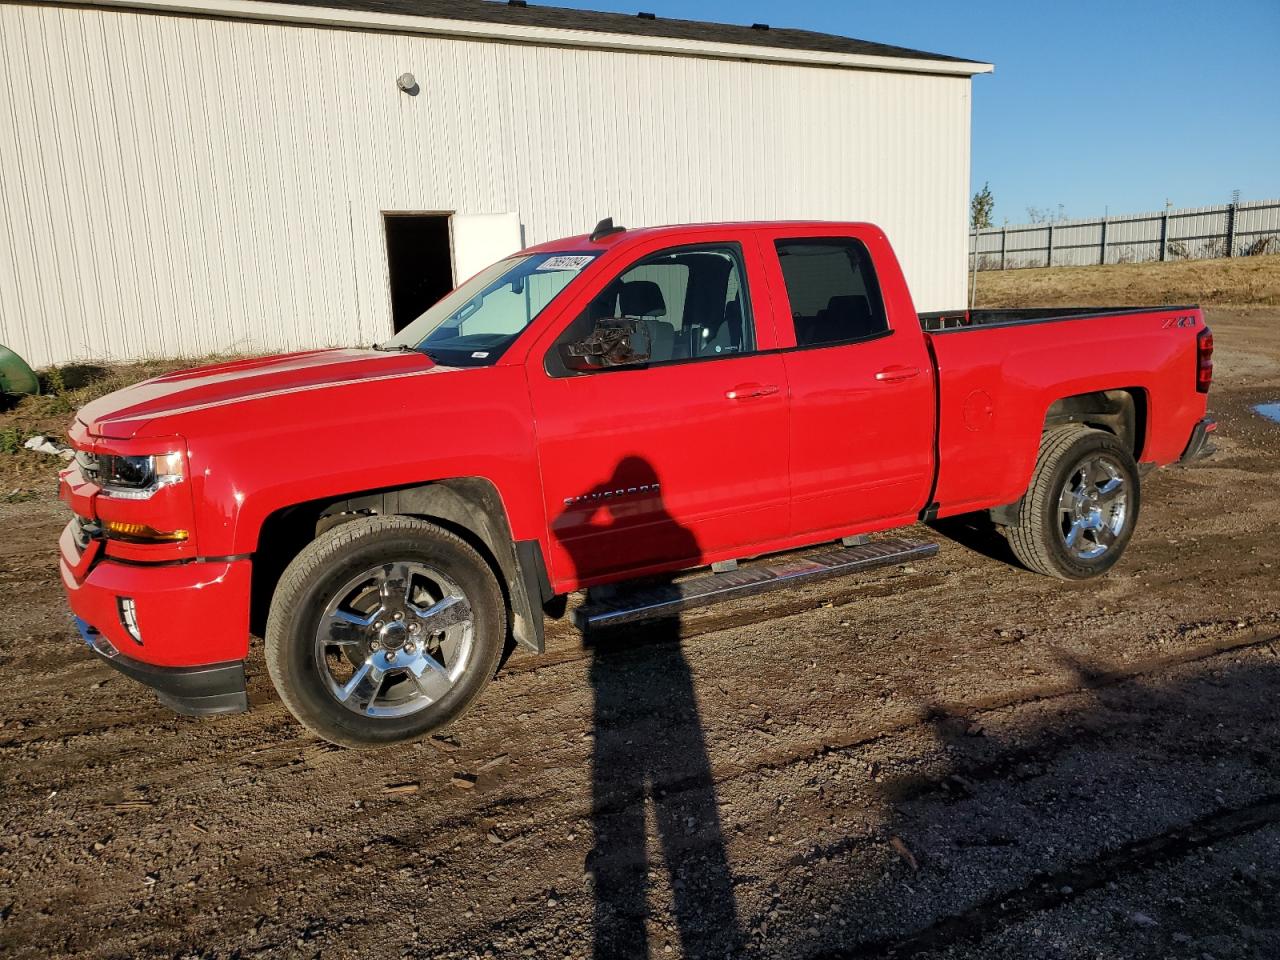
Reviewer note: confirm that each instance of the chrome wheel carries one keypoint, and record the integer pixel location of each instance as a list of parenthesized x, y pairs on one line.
[(1093, 507), (394, 640)]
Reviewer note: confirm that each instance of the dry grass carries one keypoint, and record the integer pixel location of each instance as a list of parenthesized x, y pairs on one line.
[(1238, 281), (24, 474)]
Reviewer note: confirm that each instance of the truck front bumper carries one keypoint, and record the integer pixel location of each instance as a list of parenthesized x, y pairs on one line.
[(1199, 446), (180, 628), (194, 691)]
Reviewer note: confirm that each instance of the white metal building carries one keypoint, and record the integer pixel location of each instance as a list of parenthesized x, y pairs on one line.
[(182, 177)]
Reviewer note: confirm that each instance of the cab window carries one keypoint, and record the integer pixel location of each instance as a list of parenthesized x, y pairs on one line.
[(690, 301), (834, 295)]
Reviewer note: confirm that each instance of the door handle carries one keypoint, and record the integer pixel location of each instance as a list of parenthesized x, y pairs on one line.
[(748, 391), (897, 372)]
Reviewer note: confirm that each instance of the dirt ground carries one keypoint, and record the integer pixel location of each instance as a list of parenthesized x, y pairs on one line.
[(956, 760)]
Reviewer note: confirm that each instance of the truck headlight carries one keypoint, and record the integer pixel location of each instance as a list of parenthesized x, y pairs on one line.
[(137, 477)]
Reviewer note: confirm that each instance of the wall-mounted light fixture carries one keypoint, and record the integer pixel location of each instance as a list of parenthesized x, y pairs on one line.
[(408, 83)]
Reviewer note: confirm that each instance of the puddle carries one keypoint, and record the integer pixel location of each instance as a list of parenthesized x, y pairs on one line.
[(1269, 410)]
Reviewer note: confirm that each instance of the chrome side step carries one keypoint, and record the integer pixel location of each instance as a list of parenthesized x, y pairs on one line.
[(650, 603)]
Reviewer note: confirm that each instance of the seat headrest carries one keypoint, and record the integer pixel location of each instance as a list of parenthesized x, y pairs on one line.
[(851, 306), (642, 298)]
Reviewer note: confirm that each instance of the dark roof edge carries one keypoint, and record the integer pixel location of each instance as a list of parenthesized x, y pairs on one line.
[(536, 15), (539, 24)]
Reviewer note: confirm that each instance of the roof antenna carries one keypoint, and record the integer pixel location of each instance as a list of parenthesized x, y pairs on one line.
[(605, 228)]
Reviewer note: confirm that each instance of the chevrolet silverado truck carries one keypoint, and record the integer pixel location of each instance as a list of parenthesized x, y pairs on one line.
[(625, 406)]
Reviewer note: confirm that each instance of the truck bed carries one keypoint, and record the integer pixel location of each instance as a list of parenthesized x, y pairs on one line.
[(943, 321), (997, 384)]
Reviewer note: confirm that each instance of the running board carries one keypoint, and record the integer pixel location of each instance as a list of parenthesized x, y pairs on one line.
[(650, 603)]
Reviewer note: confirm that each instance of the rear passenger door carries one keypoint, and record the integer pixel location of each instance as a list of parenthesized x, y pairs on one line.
[(862, 401)]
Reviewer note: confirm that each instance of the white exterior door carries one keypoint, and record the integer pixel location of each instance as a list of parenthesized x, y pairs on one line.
[(482, 239)]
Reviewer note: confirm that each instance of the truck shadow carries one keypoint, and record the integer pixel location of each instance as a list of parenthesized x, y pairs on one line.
[(976, 532), (649, 749)]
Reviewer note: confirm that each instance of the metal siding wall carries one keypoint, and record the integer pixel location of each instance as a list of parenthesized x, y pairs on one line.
[(180, 186)]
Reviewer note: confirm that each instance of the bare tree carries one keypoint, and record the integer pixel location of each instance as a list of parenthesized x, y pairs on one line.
[(1046, 215)]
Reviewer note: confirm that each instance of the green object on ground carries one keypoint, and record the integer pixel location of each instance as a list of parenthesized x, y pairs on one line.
[(15, 375)]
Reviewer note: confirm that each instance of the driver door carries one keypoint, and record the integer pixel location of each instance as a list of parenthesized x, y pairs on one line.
[(679, 460)]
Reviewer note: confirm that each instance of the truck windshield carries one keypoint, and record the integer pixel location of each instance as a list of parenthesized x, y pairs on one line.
[(475, 324)]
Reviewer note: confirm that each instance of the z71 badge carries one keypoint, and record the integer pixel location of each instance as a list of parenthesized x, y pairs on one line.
[(1187, 321)]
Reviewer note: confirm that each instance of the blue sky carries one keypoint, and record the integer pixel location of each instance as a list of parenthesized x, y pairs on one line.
[(1116, 105)]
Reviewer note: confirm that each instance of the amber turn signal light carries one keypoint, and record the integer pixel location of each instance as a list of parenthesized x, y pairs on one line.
[(141, 533)]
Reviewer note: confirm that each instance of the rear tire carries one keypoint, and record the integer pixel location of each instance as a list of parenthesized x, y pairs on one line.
[(1081, 507), (384, 629)]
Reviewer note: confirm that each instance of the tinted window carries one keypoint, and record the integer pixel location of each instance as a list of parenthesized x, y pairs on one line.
[(692, 302), (833, 291)]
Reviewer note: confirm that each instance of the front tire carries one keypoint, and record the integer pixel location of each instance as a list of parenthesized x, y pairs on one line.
[(382, 630), (1081, 508)]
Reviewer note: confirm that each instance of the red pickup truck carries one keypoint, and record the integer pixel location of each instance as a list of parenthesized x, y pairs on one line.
[(613, 407)]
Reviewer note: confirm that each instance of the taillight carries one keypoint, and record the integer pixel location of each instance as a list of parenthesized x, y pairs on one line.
[(1204, 360)]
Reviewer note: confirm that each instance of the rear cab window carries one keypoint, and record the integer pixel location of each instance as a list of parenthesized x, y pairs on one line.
[(833, 291)]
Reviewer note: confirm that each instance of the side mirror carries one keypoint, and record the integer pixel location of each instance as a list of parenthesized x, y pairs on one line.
[(615, 342)]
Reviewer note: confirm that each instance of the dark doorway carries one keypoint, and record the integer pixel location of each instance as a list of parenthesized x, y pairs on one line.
[(419, 262)]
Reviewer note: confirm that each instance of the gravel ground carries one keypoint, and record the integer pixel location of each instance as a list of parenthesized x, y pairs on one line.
[(960, 760)]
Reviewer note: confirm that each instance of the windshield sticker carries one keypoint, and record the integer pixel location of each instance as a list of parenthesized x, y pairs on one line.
[(479, 354), (565, 263)]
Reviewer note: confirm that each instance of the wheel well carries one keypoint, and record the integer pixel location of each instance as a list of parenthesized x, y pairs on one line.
[(468, 506), (282, 537), (1122, 412)]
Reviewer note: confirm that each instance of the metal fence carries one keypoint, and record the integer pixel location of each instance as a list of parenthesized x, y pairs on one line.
[(1193, 233)]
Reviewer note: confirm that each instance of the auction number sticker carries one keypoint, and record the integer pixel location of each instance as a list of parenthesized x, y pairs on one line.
[(565, 263)]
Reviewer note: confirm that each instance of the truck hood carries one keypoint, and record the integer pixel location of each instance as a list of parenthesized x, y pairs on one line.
[(126, 413)]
